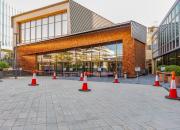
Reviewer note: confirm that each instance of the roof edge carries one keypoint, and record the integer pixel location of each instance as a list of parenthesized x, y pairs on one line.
[(38, 9)]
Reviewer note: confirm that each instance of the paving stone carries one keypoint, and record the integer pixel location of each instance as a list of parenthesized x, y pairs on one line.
[(58, 105)]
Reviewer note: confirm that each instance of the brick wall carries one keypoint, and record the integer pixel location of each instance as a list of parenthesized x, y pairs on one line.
[(140, 54), (27, 53)]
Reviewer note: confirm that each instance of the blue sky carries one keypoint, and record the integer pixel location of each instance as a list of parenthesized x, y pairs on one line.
[(147, 12)]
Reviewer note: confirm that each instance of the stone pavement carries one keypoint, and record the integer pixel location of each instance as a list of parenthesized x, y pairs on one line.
[(146, 80), (58, 105)]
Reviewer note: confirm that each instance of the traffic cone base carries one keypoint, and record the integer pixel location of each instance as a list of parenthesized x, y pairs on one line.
[(116, 81), (88, 90), (156, 84), (85, 88), (54, 75), (81, 79), (168, 97), (33, 83)]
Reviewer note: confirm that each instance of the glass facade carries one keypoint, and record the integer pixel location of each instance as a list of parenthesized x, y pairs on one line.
[(6, 11), (166, 44), (101, 60), (172, 58), (43, 29)]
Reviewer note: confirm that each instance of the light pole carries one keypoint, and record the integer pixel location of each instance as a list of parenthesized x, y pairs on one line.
[(15, 55)]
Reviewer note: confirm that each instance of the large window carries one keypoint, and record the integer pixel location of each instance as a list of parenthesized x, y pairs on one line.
[(43, 29), (101, 60), (168, 33)]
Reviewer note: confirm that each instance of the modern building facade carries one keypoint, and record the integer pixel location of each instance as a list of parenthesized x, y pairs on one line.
[(6, 34), (166, 45), (149, 58), (69, 38)]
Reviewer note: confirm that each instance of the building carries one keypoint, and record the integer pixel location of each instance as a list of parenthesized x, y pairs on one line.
[(149, 61), (6, 35), (70, 38), (166, 46)]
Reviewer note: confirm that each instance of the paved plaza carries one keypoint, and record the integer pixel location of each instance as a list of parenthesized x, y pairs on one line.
[(58, 105)]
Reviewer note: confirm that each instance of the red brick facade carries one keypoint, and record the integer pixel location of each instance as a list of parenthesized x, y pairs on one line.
[(133, 50)]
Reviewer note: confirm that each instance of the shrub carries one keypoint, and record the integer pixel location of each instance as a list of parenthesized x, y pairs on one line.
[(3, 65), (175, 68)]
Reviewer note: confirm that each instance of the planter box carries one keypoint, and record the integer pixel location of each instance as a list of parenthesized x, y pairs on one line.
[(1, 74), (163, 77), (177, 79)]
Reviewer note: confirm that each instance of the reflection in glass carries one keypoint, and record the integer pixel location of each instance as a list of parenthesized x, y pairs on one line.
[(27, 35), (99, 60), (58, 29), (58, 18), (33, 24), (64, 17), (64, 25), (28, 25), (42, 29), (38, 22), (51, 19), (45, 21), (33, 34), (51, 30), (22, 35), (38, 33)]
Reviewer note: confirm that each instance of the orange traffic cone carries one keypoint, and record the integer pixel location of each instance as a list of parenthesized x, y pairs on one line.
[(34, 81), (116, 79), (156, 82), (81, 77), (173, 91), (85, 84), (54, 75)]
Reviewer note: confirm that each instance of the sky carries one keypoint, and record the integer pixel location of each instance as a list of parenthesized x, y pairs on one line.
[(146, 12)]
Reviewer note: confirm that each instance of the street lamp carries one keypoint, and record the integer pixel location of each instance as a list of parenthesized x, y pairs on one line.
[(15, 55)]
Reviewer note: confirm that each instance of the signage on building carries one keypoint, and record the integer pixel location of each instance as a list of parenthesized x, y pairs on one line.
[(99, 69), (163, 68), (137, 69)]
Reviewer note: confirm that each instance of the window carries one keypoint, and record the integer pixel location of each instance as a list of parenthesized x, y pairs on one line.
[(51, 27), (45, 21), (33, 31), (64, 25), (51, 30), (23, 33), (64, 17), (45, 31), (27, 35), (42, 29), (38, 30), (58, 30), (33, 34), (58, 18), (51, 19), (27, 32)]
